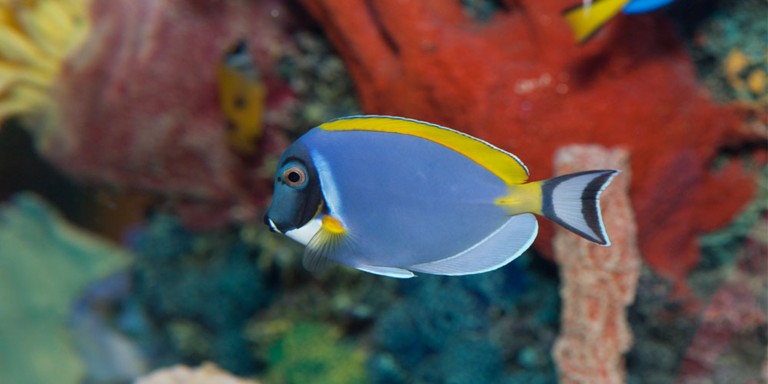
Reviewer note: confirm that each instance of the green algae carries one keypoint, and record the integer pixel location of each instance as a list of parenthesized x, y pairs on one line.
[(312, 352), (45, 263)]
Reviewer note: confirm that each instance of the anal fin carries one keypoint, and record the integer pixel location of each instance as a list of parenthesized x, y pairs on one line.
[(495, 251), (387, 271)]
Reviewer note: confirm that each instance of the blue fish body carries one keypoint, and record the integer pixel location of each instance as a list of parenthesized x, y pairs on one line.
[(436, 193), (394, 196)]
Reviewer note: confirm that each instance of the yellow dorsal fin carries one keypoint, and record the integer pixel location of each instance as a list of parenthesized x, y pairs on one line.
[(504, 165), (586, 18)]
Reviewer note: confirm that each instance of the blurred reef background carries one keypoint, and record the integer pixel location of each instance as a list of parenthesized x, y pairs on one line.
[(131, 194)]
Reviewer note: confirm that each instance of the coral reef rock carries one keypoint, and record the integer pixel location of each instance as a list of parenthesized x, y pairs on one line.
[(494, 327), (598, 282), (205, 374)]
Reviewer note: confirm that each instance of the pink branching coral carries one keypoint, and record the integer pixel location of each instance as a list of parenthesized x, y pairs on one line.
[(598, 283), (132, 102)]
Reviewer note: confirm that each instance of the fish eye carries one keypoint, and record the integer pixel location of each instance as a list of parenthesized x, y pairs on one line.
[(295, 176)]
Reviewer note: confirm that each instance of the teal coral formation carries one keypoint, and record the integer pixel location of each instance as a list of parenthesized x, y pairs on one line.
[(200, 290), (494, 327), (45, 264)]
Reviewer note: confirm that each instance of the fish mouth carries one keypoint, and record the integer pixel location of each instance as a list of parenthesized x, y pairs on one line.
[(271, 224)]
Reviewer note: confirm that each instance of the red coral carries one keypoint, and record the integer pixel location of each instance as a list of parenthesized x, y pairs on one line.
[(520, 82), (138, 104)]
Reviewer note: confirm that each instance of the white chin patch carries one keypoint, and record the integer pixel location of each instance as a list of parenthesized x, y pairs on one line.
[(304, 234), (272, 226)]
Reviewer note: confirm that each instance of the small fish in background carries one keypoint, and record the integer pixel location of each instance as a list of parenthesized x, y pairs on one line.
[(242, 95), (588, 17), (393, 196)]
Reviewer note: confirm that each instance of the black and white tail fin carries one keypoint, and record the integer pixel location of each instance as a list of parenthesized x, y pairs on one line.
[(573, 202)]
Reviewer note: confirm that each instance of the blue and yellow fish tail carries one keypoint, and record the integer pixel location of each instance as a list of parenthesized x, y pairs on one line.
[(523, 198), (569, 200), (587, 18)]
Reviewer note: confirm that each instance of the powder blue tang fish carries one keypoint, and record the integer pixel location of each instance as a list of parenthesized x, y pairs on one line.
[(394, 196), (588, 17)]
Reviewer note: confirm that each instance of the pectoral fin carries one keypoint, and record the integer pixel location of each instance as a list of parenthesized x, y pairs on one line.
[(330, 241)]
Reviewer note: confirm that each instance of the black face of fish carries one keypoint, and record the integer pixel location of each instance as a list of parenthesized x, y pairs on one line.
[(297, 196)]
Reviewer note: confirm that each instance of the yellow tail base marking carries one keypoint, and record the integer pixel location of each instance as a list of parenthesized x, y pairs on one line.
[(522, 198)]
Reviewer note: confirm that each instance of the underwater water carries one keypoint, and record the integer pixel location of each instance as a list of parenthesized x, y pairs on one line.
[(138, 146)]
